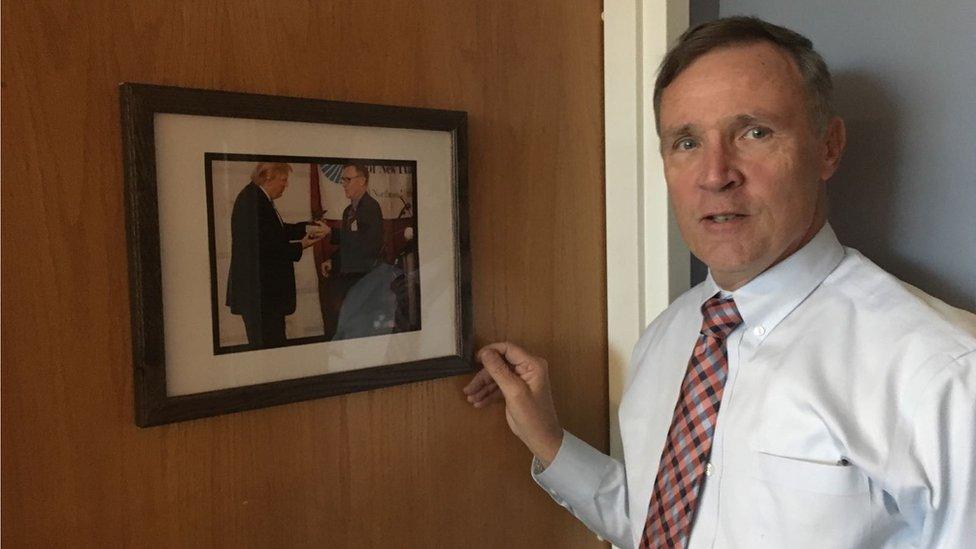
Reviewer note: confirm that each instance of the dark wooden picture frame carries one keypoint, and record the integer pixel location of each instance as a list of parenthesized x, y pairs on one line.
[(140, 105)]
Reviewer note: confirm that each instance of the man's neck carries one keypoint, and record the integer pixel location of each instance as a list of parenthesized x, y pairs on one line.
[(355, 201), (732, 281)]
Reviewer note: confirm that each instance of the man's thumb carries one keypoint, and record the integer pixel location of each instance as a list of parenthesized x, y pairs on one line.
[(498, 369)]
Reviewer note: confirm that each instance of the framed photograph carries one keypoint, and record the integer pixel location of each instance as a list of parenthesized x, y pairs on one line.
[(284, 249)]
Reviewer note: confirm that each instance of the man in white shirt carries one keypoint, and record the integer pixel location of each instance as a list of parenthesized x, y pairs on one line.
[(845, 412)]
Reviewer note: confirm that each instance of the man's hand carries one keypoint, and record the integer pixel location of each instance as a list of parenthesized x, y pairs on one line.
[(308, 240), (326, 268), (522, 380), (318, 229)]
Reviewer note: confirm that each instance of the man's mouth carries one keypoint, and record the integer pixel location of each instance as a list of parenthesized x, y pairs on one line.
[(723, 217)]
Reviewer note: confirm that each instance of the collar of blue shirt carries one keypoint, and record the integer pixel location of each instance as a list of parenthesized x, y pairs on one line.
[(766, 300)]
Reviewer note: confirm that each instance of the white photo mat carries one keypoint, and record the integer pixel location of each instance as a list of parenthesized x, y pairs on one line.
[(180, 144)]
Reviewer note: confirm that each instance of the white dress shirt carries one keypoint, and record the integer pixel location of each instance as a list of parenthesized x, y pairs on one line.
[(848, 418)]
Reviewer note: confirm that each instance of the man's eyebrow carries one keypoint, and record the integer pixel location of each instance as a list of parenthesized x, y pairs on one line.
[(746, 120), (680, 130), (759, 117)]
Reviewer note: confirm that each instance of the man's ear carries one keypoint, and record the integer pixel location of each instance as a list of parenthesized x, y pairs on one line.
[(833, 142)]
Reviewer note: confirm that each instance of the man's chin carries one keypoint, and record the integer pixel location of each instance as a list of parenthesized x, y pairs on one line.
[(726, 264)]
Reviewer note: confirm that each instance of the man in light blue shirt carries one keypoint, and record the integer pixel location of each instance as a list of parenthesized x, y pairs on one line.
[(848, 417)]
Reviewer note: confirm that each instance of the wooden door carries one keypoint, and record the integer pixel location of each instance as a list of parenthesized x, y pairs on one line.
[(409, 466)]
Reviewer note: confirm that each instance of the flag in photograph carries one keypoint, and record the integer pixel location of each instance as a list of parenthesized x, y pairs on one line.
[(333, 172)]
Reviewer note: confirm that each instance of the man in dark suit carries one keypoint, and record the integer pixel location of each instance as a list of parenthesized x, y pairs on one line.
[(261, 282), (360, 238)]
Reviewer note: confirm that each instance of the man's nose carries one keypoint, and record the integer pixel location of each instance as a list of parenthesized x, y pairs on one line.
[(720, 168)]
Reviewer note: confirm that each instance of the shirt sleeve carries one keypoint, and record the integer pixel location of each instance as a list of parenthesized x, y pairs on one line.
[(939, 458), (591, 485)]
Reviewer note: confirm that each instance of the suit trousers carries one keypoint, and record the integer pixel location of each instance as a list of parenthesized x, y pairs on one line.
[(265, 329)]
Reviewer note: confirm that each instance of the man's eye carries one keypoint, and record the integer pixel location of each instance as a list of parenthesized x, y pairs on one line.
[(758, 133), (685, 144)]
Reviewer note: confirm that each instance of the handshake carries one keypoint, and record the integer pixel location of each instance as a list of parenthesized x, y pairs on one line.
[(318, 229), (315, 231)]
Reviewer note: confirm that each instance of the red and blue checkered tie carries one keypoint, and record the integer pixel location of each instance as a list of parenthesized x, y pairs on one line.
[(682, 469)]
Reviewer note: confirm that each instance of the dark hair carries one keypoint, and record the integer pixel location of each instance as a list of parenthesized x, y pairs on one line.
[(733, 31), (360, 169)]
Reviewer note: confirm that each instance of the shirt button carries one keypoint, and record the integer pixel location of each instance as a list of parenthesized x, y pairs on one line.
[(759, 331), (709, 468)]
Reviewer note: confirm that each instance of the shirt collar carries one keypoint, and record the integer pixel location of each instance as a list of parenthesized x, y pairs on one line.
[(265, 193), (767, 299)]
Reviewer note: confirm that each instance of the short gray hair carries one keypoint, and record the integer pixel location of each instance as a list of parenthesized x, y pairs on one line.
[(733, 31)]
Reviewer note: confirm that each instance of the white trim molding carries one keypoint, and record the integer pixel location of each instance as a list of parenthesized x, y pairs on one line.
[(648, 264)]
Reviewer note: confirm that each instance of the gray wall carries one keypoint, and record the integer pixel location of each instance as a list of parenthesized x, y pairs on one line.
[(905, 77)]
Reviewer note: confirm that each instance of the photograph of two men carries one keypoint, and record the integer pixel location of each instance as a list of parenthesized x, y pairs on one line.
[(307, 249)]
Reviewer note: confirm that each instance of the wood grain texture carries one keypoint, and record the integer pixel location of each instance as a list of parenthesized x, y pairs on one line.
[(408, 466)]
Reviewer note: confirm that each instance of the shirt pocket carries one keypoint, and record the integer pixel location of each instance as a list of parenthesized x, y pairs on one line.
[(808, 504), (821, 478)]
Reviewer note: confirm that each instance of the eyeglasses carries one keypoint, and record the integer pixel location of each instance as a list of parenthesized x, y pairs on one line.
[(345, 180)]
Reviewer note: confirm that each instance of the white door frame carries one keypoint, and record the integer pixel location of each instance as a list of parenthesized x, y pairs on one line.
[(647, 262)]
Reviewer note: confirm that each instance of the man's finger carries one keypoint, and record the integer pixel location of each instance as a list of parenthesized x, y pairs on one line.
[(499, 371), (491, 398), (487, 389), (478, 382), (512, 352)]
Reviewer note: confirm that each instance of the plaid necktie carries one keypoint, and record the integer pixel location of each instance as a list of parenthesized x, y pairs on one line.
[(681, 472)]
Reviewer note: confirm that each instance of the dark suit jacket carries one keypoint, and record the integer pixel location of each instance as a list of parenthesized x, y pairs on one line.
[(262, 271), (359, 249)]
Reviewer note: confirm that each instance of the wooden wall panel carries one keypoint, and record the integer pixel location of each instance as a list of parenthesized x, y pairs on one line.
[(410, 466)]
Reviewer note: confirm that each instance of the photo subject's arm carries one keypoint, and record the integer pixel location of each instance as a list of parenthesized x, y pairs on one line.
[(295, 231), (936, 481), (298, 233), (590, 484), (277, 243), (371, 226)]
